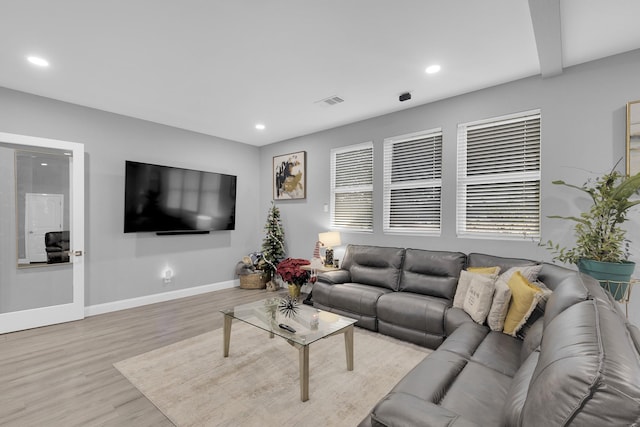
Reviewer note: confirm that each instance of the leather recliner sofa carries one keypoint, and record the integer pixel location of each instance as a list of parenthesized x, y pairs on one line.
[(577, 364)]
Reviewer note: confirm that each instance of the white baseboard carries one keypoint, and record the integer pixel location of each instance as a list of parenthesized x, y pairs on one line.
[(108, 307)]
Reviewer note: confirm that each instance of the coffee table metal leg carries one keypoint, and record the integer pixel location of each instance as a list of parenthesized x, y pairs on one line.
[(348, 346), (304, 372), (226, 335)]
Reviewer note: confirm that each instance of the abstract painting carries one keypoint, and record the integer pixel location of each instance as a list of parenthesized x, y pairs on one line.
[(289, 176)]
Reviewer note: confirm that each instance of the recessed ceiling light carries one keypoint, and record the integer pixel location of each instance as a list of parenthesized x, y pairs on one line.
[(432, 69), (43, 164), (260, 126), (36, 60)]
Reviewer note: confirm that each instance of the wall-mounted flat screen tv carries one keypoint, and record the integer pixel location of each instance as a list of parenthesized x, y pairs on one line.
[(166, 199)]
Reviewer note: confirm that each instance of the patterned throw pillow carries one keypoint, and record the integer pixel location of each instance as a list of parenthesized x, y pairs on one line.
[(465, 280), (477, 302)]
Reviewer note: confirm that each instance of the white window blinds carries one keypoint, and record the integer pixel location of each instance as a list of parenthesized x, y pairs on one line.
[(352, 187), (412, 183), (498, 188)]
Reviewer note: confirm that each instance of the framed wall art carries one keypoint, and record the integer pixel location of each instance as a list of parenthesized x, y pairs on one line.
[(290, 176), (633, 137)]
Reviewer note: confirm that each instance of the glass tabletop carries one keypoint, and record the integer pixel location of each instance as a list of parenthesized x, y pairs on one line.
[(310, 324)]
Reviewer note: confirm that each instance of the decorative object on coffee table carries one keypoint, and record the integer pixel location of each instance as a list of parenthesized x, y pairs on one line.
[(290, 271), (288, 306)]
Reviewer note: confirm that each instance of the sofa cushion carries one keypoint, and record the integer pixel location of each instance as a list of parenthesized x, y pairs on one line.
[(524, 299), (493, 350), (499, 352), (430, 379), (349, 297), (374, 265), (465, 339), (478, 393), (413, 311), (434, 273)]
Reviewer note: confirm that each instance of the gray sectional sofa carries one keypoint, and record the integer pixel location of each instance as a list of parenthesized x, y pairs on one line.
[(575, 363)]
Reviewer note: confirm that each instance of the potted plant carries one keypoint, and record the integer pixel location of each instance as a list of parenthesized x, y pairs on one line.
[(290, 271), (272, 244), (601, 248)]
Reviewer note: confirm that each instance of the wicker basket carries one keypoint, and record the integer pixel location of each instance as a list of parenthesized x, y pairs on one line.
[(253, 281)]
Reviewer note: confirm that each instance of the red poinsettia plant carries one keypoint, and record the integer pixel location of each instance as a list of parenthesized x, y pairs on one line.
[(290, 271)]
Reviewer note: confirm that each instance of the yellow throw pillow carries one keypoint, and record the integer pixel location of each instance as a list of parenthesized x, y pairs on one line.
[(524, 299), (484, 270)]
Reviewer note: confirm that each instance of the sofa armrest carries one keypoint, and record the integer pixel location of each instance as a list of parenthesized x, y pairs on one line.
[(400, 409), (335, 277)]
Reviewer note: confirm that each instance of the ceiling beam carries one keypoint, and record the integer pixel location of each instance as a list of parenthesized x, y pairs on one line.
[(545, 17)]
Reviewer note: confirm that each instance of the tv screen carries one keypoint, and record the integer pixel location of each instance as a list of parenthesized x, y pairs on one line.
[(167, 199)]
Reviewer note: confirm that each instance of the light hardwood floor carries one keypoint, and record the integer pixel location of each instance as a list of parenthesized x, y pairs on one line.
[(63, 375)]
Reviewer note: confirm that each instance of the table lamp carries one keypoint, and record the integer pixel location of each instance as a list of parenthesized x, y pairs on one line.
[(329, 240)]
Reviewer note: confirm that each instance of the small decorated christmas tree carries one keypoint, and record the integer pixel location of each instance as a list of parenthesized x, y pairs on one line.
[(273, 242)]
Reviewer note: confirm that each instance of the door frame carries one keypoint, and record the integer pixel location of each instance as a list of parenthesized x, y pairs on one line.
[(33, 318)]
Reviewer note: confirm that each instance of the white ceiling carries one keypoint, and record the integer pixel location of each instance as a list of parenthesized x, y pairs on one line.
[(220, 66)]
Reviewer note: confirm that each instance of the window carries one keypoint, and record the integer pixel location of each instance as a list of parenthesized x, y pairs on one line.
[(412, 183), (352, 187), (499, 177)]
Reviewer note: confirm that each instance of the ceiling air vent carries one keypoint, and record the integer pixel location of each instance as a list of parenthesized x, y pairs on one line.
[(332, 100)]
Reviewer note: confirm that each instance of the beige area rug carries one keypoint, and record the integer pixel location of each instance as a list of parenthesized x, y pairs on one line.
[(258, 384)]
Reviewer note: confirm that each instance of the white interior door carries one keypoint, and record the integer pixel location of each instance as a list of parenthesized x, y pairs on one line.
[(43, 213), (34, 295)]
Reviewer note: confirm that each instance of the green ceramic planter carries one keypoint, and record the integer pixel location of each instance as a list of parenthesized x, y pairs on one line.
[(613, 276)]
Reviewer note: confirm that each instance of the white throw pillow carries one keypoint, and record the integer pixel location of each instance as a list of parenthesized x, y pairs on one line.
[(479, 296), (499, 305), (461, 290), (463, 285)]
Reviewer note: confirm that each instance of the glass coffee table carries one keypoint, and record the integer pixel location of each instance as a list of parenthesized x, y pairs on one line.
[(309, 325)]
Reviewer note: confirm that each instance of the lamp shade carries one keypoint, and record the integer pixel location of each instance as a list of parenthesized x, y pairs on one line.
[(330, 238)]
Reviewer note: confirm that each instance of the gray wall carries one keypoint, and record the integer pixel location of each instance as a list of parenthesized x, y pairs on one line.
[(121, 266), (583, 119), (583, 132)]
